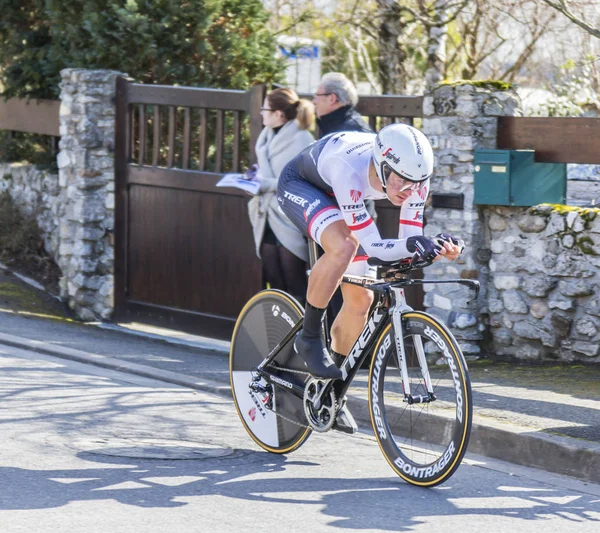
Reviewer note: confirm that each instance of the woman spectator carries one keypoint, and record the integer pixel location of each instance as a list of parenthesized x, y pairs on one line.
[(282, 248)]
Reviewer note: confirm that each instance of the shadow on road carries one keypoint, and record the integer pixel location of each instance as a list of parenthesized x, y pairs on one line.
[(355, 503)]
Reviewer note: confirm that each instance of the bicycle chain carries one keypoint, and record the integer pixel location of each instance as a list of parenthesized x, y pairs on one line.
[(295, 422), (277, 413)]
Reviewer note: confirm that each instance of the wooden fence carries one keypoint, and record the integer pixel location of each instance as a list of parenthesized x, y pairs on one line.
[(30, 116), (554, 139)]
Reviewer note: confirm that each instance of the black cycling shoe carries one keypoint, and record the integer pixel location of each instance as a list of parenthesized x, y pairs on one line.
[(315, 357)]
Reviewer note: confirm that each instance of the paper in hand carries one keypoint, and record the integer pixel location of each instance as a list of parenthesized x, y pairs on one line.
[(240, 181)]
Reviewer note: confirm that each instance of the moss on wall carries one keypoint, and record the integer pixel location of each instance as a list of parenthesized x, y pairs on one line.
[(493, 85)]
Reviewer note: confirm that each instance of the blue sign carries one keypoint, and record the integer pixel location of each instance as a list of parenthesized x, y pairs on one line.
[(302, 52)]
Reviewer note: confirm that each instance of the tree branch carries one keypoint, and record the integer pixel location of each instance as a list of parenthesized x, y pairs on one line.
[(562, 6)]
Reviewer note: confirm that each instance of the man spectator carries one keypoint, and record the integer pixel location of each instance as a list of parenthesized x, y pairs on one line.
[(335, 100)]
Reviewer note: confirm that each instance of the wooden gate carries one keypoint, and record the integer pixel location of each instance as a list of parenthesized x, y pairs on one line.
[(184, 250)]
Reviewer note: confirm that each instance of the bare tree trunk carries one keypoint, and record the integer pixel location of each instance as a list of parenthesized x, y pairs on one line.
[(392, 52), (436, 46)]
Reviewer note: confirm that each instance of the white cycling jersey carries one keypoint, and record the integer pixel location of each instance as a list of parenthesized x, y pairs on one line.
[(343, 165)]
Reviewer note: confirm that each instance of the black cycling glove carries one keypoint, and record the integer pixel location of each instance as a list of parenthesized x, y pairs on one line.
[(427, 249), (446, 237)]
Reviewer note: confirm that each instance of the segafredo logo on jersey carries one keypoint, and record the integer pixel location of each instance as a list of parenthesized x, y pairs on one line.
[(358, 218), (355, 195), (296, 199), (311, 208), (360, 344), (277, 311), (433, 335)]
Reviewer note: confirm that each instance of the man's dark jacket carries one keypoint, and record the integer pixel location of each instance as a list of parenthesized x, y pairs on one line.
[(343, 119)]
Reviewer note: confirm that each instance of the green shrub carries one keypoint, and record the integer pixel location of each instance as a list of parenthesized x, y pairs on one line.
[(207, 43), (36, 149)]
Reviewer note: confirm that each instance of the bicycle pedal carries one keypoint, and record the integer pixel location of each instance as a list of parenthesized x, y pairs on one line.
[(344, 421)]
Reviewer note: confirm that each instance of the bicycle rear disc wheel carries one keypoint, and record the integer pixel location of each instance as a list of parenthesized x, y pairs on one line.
[(263, 323), (423, 442)]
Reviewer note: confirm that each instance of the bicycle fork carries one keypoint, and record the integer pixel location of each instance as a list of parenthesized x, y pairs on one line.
[(399, 307)]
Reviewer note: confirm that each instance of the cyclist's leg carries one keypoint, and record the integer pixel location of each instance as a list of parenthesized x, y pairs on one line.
[(339, 245), (354, 312), (346, 328), (317, 215)]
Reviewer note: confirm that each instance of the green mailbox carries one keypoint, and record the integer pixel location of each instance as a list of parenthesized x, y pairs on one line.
[(512, 177)]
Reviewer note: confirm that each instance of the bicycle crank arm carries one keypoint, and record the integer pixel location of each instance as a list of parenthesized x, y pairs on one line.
[(410, 399)]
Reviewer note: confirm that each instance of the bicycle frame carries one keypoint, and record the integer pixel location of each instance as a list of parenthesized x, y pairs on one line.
[(391, 306)]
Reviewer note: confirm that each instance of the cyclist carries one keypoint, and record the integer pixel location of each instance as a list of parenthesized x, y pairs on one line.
[(322, 190)]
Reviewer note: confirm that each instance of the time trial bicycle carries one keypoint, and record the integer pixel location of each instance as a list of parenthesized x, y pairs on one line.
[(419, 391)]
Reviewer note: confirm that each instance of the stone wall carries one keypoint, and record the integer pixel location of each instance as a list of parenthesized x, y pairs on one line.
[(38, 193), (544, 290), (458, 119), (75, 209), (86, 172)]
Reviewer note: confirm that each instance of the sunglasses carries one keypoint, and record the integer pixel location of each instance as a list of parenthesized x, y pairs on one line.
[(405, 184)]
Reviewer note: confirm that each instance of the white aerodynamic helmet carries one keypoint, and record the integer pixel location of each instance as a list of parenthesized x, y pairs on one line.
[(404, 150)]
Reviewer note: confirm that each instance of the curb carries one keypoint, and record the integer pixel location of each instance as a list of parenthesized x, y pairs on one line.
[(521, 446), (111, 363), (518, 445)]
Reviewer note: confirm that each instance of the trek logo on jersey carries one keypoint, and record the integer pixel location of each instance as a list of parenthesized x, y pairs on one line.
[(310, 209), (353, 207), (358, 218), (355, 195), (296, 199), (389, 155), (416, 204)]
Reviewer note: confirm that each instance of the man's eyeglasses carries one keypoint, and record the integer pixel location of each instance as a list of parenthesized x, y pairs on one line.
[(321, 94), (266, 109)]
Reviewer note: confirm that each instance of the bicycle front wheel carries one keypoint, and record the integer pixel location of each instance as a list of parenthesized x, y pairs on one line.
[(423, 442), (276, 421)]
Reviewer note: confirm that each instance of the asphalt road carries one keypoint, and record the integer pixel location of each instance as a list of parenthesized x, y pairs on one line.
[(86, 449)]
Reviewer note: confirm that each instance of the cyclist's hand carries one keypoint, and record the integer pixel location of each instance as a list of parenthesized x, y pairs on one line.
[(426, 249), (451, 247)]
